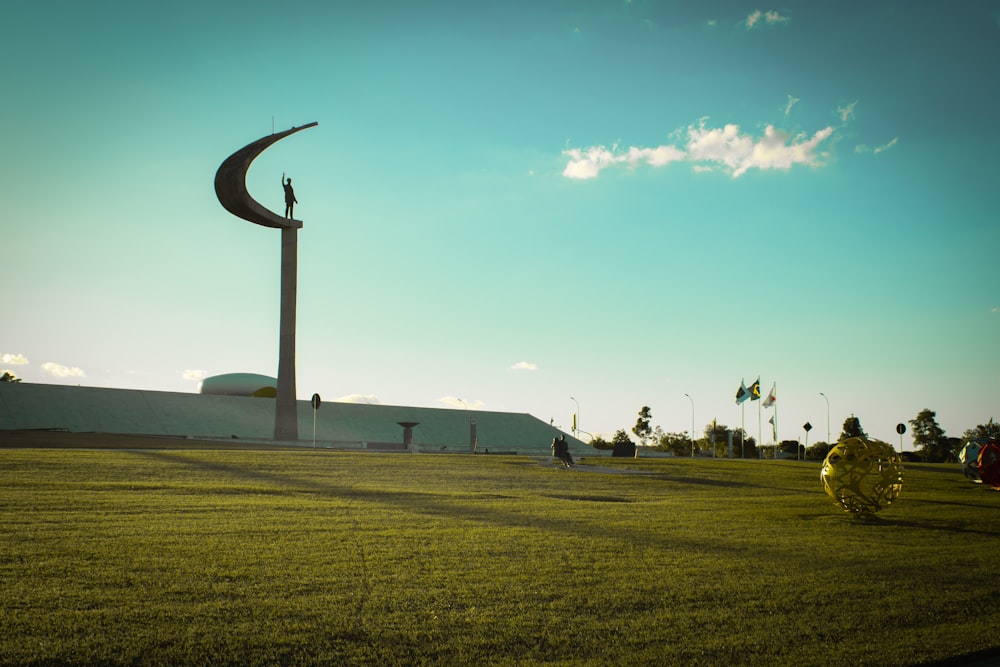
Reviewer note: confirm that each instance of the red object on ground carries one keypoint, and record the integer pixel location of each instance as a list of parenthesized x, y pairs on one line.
[(989, 463)]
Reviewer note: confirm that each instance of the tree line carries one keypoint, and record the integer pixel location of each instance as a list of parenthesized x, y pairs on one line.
[(929, 439)]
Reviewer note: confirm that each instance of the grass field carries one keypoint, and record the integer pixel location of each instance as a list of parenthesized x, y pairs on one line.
[(199, 557)]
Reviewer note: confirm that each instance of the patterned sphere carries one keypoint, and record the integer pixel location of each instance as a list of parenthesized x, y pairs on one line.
[(989, 463), (862, 476), (968, 456)]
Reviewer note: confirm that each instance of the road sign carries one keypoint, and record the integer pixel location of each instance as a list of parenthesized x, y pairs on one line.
[(807, 426), (901, 428), (315, 401)]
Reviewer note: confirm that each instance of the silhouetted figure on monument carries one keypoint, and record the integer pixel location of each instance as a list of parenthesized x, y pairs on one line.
[(290, 200)]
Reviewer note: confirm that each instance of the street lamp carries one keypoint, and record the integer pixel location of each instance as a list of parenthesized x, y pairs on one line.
[(576, 420), (692, 423), (827, 417)]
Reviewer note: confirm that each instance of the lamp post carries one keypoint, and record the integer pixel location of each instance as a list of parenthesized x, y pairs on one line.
[(692, 423), (576, 420), (827, 417)]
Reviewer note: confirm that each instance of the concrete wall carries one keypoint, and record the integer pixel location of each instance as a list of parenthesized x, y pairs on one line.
[(26, 406)]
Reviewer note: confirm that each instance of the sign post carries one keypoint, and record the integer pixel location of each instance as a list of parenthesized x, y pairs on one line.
[(315, 404), (808, 427), (900, 429)]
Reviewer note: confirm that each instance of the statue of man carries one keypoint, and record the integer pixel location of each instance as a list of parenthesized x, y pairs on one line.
[(290, 200)]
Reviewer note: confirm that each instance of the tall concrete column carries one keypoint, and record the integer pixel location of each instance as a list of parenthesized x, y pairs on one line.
[(231, 189), (286, 417)]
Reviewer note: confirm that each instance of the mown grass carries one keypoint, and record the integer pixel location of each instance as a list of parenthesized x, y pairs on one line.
[(299, 557)]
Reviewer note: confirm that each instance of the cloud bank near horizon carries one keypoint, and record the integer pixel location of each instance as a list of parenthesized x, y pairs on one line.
[(365, 399), (455, 402), (524, 366), (13, 359), (60, 371), (50, 368)]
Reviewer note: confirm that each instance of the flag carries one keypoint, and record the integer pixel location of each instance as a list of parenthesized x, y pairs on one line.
[(774, 429), (771, 398), (742, 393), (755, 390)]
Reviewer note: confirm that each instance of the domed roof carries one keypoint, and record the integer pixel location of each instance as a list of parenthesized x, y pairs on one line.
[(240, 384)]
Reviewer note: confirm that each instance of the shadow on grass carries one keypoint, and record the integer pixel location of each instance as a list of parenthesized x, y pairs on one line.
[(431, 504), (703, 481), (986, 658), (877, 521)]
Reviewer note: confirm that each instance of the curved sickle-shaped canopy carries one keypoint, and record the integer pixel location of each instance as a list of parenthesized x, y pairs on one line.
[(231, 185)]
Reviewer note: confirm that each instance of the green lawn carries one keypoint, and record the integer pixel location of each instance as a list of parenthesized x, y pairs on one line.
[(300, 557)]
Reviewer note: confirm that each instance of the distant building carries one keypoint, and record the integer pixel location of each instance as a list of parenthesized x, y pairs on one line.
[(240, 384), (229, 408)]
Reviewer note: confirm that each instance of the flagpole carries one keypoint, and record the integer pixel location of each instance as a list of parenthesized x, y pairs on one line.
[(760, 432), (774, 392), (770, 402), (743, 422), (741, 396)]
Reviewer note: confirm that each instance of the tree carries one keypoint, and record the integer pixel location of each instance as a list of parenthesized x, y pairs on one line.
[(852, 429), (621, 438), (791, 447), (9, 377), (818, 451), (988, 430), (597, 442), (929, 438), (716, 437), (678, 443), (642, 428)]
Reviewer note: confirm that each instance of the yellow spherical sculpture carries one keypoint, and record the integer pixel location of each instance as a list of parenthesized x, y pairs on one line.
[(862, 476)]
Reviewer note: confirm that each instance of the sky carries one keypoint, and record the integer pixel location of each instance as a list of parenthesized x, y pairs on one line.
[(584, 206)]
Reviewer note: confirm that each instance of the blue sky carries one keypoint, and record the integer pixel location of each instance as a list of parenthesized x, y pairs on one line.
[(516, 203)]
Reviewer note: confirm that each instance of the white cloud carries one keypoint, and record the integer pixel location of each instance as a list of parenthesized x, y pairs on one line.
[(862, 149), (770, 17), (586, 163), (847, 113), (655, 157), (724, 145), (196, 375), (708, 148), (459, 403), (885, 147), (367, 399), (13, 359), (524, 366), (60, 371), (779, 150), (773, 17), (791, 103)]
